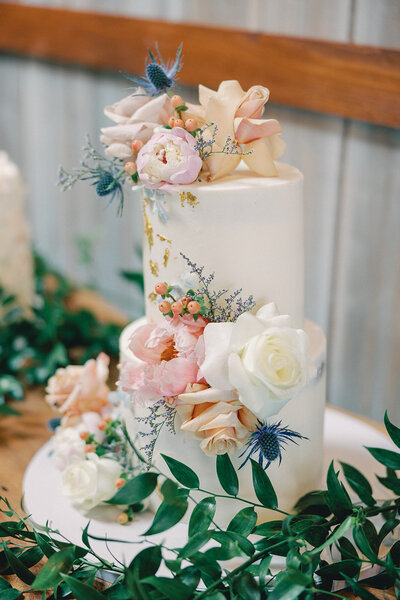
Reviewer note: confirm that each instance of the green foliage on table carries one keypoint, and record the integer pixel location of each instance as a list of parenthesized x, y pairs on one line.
[(33, 345), (328, 538)]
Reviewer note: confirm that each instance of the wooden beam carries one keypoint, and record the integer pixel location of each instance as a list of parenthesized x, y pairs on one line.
[(358, 82)]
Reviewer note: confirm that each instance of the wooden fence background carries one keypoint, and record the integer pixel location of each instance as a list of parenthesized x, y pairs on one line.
[(351, 168)]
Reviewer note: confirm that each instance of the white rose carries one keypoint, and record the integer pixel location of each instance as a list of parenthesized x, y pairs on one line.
[(263, 356), (88, 482), (67, 445)]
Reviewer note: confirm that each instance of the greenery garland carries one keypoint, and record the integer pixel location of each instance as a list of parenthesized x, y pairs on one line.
[(33, 346), (327, 538)]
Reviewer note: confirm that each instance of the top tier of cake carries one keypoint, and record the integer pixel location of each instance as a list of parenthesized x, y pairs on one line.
[(246, 228)]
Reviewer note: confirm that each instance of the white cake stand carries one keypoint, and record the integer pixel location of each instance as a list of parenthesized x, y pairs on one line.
[(344, 439)]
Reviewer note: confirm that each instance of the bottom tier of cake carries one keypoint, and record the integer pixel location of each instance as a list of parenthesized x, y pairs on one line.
[(301, 467)]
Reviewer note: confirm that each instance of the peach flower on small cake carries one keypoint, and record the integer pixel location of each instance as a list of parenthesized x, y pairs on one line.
[(238, 117), (136, 116), (77, 389), (217, 417), (168, 352)]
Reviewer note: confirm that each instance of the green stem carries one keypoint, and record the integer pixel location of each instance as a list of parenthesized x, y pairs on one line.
[(255, 504)]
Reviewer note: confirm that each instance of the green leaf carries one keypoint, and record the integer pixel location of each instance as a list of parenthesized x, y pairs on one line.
[(392, 483), (246, 587), (82, 591), (133, 276), (202, 515), (118, 591), (195, 543), (381, 581), (289, 586), (147, 562), (263, 487), (185, 475), (227, 475), (17, 566), (6, 410), (4, 584), (340, 568), (244, 521), (358, 483), (167, 516), (190, 576), (363, 544), (264, 570), (171, 588), (50, 573), (392, 430), (389, 458), (135, 490), (338, 499), (359, 590), (43, 544), (10, 594)]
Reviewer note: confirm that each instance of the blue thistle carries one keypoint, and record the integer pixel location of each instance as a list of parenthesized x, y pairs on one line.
[(160, 76), (268, 440), (107, 175)]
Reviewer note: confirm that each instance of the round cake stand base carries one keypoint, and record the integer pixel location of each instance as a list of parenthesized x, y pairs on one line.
[(344, 440)]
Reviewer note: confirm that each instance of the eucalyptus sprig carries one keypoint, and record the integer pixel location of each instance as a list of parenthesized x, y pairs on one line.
[(328, 538)]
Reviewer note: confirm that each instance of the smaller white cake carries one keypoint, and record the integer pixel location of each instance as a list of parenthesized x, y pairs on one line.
[(16, 262)]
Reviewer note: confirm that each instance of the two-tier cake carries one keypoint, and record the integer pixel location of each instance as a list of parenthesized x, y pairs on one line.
[(224, 361)]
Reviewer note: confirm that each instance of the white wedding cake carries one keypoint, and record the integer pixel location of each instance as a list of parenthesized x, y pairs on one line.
[(16, 264), (223, 370)]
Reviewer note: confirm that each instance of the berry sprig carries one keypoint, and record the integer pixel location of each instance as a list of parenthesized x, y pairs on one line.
[(180, 107), (188, 304), (130, 167)]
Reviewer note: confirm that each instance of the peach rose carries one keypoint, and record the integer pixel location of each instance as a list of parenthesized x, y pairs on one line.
[(237, 115), (217, 417), (136, 116), (76, 389)]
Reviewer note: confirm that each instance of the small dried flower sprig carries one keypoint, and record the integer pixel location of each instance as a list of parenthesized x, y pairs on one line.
[(160, 76), (106, 174), (189, 304), (206, 138), (161, 413), (220, 307)]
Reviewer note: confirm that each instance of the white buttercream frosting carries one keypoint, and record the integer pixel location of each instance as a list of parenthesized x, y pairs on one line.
[(246, 229)]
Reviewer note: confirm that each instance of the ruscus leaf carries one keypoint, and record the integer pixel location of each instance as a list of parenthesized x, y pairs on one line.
[(227, 475), (182, 473), (81, 590), (392, 430), (202, 515), (50, 573), (389, 458), (358, 483), (263, 487), (167, 516), (135, 490)]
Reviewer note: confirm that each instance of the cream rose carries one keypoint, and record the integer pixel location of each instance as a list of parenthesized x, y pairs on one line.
[(67, 445), (88, 482), (263, 357), (217, 417)]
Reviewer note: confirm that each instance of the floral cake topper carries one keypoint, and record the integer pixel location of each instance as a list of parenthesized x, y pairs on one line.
[(159, 140)]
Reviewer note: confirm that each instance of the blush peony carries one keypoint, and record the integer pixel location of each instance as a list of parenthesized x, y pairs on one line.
[(168, 353), (169, 157)]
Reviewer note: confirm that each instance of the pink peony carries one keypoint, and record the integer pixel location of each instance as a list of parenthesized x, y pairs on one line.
[(169, 157), (75, 389), (168, 352)]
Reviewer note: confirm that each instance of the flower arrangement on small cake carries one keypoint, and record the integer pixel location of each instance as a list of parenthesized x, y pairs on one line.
[(159, 140)]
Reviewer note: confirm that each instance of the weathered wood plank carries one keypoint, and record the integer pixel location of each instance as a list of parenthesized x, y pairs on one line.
[(301, 72)]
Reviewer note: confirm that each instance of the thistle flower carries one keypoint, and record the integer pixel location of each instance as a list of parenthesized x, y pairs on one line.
[(160, 76), (268, 440), (106, 175)]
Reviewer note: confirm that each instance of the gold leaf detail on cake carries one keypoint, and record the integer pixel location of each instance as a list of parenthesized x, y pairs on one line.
[(163, 238), (166, 256), (154, 268), (152, 296), (148, 228), (189, 198)]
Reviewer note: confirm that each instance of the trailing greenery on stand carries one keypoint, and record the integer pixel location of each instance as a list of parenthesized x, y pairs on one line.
[(33, 346), (328, 539)]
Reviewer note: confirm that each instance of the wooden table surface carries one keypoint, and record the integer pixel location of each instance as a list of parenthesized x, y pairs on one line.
[(22, 436)]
